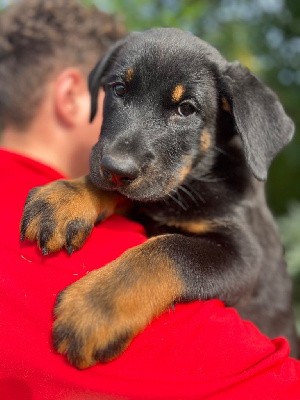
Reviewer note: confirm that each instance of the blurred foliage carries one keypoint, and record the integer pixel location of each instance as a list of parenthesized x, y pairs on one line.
[(289, 225)]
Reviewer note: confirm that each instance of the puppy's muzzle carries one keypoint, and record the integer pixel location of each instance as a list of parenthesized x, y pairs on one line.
[(119, 171)]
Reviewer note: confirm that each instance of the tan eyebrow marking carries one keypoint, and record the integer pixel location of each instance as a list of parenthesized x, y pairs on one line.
[(177, 93), (129, 74)]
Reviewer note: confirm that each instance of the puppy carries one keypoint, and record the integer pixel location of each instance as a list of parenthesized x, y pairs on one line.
[(188, 138)]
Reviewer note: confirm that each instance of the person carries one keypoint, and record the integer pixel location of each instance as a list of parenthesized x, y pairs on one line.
[(200, 350)]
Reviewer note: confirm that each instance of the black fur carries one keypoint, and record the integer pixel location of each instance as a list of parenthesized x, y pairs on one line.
[(146, 145)]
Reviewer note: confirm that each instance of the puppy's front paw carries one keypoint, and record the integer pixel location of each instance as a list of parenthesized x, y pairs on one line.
[(63, 213), (99, 315), (95, 319)]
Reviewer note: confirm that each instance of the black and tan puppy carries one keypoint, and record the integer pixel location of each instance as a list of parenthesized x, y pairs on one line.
[(187, 137)]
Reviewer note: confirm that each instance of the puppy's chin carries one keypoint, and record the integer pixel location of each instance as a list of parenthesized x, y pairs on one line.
[(141, 189), (142, 194)]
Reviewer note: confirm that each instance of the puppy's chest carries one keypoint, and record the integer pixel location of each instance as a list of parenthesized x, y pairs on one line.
[(158, 223)]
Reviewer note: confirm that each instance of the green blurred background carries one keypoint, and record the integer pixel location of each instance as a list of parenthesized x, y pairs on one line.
[(265, 36)]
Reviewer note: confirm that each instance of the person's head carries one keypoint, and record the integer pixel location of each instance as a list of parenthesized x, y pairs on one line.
[(47, 49)]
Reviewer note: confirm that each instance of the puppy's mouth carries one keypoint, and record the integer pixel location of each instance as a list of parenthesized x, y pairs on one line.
[(141, 188), (144, 178)]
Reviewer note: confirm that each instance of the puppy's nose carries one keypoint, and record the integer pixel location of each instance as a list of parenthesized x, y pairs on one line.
[(119, 171)]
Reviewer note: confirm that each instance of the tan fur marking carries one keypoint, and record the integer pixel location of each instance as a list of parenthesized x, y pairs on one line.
[(129, 74), (181, 174), (205, 140), (184, 173), (225, 105), (133, 293), (196, 227), (33, 229), (67, 201), (88, 201), (177, 93)]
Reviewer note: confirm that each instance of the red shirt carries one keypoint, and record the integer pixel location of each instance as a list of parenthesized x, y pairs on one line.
[(200, 350)]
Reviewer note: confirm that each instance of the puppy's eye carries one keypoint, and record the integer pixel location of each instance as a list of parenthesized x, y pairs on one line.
[(119, 89), (186, 109)]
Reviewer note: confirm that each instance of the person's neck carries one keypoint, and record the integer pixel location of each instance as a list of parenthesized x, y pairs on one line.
[(36, 145)]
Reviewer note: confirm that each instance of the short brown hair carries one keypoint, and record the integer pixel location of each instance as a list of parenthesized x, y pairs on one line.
[(37, 39)]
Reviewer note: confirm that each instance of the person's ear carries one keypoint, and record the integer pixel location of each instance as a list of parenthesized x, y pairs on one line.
[(69, 92)]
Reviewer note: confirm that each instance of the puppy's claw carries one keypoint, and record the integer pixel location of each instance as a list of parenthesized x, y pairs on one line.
[(70, 249), (44, 251), (62, 214)]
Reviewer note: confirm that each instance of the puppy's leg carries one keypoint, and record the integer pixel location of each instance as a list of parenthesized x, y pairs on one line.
[(99, 315), (63, 213)]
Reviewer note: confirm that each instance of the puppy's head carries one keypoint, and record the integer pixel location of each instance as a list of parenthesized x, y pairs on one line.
[(164, 91)]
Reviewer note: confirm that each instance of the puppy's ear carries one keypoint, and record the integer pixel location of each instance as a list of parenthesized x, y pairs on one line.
[(98, 72), (259, 118)]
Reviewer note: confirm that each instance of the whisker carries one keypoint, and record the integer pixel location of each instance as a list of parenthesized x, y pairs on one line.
[(180, 198), (177, 201), (208, 180), (185, 189), (196, 193), (221, 151)]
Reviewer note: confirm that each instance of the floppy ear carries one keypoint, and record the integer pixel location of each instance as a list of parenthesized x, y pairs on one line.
[(98, 72), (259, 118)]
